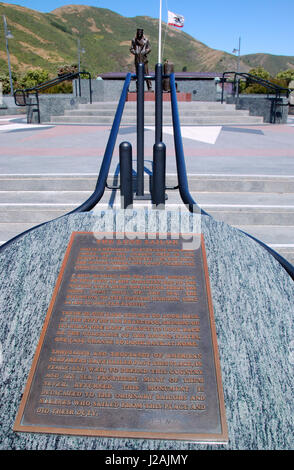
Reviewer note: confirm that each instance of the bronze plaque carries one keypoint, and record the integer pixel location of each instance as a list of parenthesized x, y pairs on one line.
[(128, 348)]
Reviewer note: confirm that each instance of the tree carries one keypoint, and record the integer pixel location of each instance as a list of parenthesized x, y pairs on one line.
[(260, 72), (4, 78), (253, 87), (287, 75), (34, 77)]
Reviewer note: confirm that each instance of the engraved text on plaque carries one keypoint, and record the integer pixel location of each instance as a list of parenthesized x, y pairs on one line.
[(128, 347)]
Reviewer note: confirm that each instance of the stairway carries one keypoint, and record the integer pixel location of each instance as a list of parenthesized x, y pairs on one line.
[(260, 205), (191, 113)]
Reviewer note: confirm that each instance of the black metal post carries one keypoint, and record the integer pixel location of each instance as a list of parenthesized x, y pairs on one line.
[(126, 177), (90, 89), (158, 103), (223, 85), (140, 129), (158, 175), (38, 107), (80, 94)]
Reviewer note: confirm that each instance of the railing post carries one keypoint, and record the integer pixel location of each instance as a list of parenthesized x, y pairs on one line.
[(38, 107), (126, 177), (140, 129), (158, 174), (80, 93), (223, 85), (90, 88), (158, 103)]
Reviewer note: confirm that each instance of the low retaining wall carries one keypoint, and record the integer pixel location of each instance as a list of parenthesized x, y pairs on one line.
[(263, 105), (8, 106), (201, 90), (53, 105)]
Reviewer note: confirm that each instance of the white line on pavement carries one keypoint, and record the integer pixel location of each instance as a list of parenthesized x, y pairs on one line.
[(206, 134)]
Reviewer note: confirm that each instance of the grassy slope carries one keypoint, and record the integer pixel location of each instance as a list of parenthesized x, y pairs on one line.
[(50, 40)]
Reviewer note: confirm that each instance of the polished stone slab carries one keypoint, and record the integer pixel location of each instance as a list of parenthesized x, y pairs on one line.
[(253, 307)]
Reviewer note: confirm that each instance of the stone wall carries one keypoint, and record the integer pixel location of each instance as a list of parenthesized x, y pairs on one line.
[(53, 105), (263, 105), (110, 90), (201, 90), (8, 106)]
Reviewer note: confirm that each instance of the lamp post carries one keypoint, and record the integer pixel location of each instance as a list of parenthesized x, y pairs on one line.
[(8, 35), (80, 51), (238, 65)]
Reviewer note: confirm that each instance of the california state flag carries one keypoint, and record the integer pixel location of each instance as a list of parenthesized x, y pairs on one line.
[(175, 20)]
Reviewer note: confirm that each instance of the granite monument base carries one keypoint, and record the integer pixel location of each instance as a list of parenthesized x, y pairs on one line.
[(253, 308)]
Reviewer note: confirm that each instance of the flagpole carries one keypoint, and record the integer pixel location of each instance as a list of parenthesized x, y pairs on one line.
[(159, 38)]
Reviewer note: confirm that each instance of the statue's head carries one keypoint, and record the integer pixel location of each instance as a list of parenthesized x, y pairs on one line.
[(140, 33)]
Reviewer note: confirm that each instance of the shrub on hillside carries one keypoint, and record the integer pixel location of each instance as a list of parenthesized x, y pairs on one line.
[(4, 78), (256, 88), (34, 77), (252, 87), (260, 72), (64, 87), (287, 75)]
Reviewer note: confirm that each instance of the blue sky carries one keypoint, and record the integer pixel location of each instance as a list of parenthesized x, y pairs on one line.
[(263, 25)]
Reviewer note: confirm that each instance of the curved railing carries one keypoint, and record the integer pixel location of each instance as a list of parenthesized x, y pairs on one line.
[(179, 150), (104, 170), (183, 180)]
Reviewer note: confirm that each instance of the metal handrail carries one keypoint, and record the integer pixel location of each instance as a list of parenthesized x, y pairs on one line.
[(28, 92), (261, 81), (183, 180), (104, 170), (50, 83)]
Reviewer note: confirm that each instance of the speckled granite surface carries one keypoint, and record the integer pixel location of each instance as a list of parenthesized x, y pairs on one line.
[(253, 301)]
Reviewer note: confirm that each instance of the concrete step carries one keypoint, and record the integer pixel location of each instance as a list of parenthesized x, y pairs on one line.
[(197, 105), (47, 182), (41, 198), (167, 121), (266, 216), (260, 205), (212, 183), (193, 113), (232, 215), (151, 112), (12, 111)]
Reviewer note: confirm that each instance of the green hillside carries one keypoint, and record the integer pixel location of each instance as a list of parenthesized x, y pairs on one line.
[(49, 40), (272, 63)]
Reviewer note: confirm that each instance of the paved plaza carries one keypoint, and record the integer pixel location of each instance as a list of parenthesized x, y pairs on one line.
[(233, 150), (241, 175), (259, 158)]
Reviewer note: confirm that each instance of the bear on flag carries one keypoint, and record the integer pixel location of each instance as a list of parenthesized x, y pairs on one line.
[(175, 20)]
